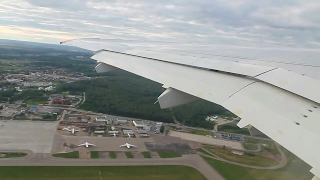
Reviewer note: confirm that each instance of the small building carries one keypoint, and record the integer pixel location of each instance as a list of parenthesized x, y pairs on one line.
[(113, 132), (61, 101), (157, 130), (147, 127), (138, 124), (122, 121), (98, 132), (142, 131), (101, 119), (33, 108), (128, 131)]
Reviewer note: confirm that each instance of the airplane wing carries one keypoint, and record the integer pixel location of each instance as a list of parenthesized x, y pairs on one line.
[(275, 90), (124, 145), (84, 144), (132, 145)]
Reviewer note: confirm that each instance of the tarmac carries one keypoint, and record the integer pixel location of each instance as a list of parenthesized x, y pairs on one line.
[(40, 159), (33, 135)]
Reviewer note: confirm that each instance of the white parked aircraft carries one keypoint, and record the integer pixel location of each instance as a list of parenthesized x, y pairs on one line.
[(114, 135), (129, 135), (276, 90), (72, 130), (87, 144), (128, 145)]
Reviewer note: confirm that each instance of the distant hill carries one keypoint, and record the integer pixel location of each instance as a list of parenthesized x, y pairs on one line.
[(42, 45)]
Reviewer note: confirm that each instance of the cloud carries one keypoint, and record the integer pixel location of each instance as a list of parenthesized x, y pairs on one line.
[(242, 22)]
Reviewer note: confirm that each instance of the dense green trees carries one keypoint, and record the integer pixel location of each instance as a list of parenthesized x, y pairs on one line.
[(125, 94)]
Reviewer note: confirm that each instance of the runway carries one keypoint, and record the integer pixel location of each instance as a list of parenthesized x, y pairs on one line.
[(40, 159)]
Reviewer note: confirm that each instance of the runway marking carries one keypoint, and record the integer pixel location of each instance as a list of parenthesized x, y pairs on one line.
[(100, 175)]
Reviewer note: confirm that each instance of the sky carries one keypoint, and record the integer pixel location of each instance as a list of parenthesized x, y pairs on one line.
[(265, 23)]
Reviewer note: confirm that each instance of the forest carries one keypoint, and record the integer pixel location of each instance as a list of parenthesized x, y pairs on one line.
[(125, 94)]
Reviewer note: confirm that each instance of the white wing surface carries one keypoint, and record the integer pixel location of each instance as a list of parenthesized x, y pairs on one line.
[(274, 90)]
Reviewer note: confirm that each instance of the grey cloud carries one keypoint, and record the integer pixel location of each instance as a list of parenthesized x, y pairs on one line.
[(256, 23)]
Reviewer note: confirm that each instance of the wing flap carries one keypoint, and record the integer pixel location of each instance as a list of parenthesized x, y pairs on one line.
[(296, 83)]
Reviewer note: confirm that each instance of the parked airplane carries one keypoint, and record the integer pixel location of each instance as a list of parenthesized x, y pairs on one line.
[(87, 144), (114, 135), (129, 135), (128, 145), (73, 130)]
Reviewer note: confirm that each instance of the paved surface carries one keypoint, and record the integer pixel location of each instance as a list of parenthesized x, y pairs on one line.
[(193, 160), (103, 143), (170, 147), (33, 135), (206, 140)]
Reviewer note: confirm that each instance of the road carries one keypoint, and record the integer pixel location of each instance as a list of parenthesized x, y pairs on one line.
[(281, 164), (193, 160)]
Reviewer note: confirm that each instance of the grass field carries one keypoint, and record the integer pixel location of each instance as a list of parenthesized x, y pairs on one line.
[(257, 160), (112, 155), (129, 154), (265, 144), (35, 101), (94, 154), (11, 155), (163, 154), (74, 154), (200, 132), (250, 146), (146, 154), (296, 169), (96, 173)]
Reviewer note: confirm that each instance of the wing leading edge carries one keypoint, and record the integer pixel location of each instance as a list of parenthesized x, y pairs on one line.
[(280, 103)]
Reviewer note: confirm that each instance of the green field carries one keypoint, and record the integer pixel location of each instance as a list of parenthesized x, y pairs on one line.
[(296, 169), (163, 154), (250, 146), (106, 172), (146, 154), (112, 155), (129, 154), (74, 154), (258, 159), (11, 155), (200, 132), (94, 154), (268, 145)]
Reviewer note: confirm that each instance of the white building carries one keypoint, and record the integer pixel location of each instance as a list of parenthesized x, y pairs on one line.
[(113, 132), (138, 124), (122, 121), (49, 88), (147, 128), (142, 131), (128, 131), (211, 118)]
